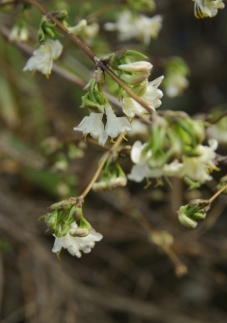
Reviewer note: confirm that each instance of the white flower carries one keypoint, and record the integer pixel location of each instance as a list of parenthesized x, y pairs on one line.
[(151, 96), (42, 59), (124, 25), (207, 8), (19, 33), (218, 131), (87, 32), (175, 84), (138, 128), (93, 125), (115, 125), (140, 27), (196, 168), (77, 244), (142, 170), (148, 28), (199, 168)]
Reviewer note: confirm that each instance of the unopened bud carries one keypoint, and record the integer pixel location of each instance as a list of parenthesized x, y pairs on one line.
[(78, 29), (140, 66)]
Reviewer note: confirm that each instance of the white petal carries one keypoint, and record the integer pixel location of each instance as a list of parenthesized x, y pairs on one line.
[(136, 152), (115, 125)]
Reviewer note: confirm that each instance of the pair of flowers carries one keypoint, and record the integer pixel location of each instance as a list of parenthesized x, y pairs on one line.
[(137, 26)]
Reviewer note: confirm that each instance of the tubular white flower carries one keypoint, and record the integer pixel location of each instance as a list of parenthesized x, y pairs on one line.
[(207, 8), (93, 125), (115, 125), (75, 245), (152, 97), (42, 59)]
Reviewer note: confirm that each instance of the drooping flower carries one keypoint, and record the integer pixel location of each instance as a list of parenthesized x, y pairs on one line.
[(115, 125), (93, 125), (207, 8), (199, 168), (75, 245), (141, 169), (19, 32), (151, 96), (175, 85), (42, 59), (148, 28), (140, 26), (87, 32)]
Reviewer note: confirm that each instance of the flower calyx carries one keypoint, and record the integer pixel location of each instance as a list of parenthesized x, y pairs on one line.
[(63, 214)]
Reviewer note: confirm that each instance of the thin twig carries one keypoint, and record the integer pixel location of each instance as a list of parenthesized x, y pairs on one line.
[(216, 194), (88, 51), (104, 159)]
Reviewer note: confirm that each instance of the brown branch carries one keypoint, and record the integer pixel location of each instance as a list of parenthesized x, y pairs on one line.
[(88, 51)]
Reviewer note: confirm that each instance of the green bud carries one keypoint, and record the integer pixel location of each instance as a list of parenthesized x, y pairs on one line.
[(135, 78), (51, 221), (79, 28), (195, 210), (60, 15), (135, 54), (93, 106), (185, 220)]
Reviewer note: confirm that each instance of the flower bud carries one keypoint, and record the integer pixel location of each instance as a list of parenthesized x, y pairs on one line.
[(195, 210), (135, 78), (140, 66), (185, 220), (78, 29)]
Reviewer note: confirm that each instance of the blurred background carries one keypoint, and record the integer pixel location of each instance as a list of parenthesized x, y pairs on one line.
[(127, 277)]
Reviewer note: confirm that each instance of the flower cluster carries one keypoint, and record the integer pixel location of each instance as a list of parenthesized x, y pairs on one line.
[(140, 26), (207, 8), (63, 222), (174, 149), (135, 74)]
